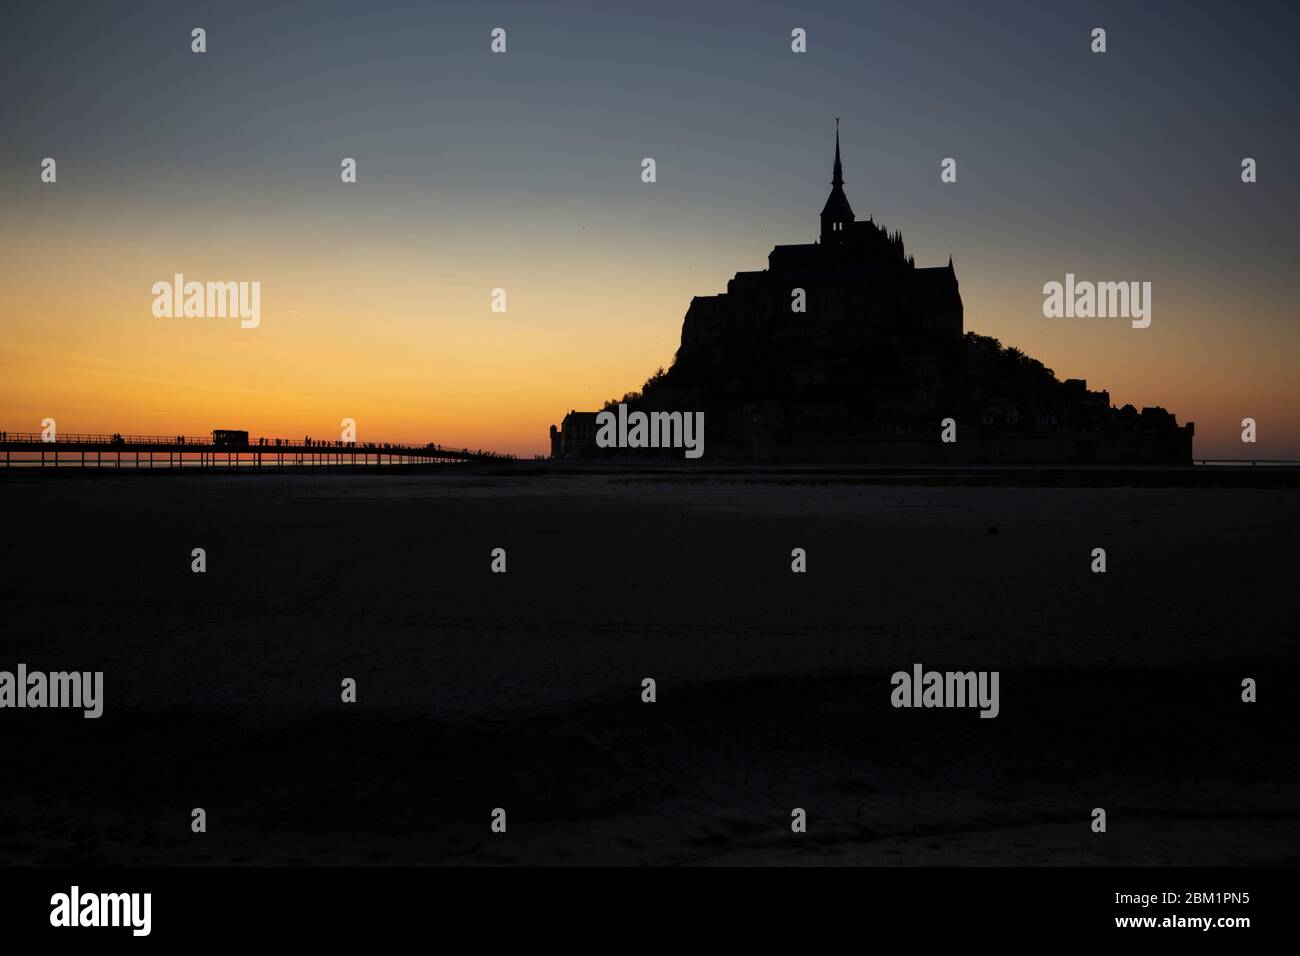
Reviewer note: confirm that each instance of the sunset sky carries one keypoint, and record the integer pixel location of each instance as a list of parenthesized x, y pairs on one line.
[(522, 171)]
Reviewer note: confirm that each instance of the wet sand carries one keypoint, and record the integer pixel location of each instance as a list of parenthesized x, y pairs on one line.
[(523, 690)]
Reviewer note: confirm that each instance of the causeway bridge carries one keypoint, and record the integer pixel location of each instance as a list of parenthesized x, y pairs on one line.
[(221, 452)]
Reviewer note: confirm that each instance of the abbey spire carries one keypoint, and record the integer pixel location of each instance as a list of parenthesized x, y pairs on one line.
[(837, 214), (837, 176)]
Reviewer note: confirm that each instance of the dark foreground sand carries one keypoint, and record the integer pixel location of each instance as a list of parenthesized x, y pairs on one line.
[(522, 690)]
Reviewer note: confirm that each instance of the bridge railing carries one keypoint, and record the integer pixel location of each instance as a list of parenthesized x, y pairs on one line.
[(1245, 461), (70, 438), (260, 444)]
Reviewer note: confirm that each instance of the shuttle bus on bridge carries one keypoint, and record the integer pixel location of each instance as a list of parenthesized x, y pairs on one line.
[(229, 438)]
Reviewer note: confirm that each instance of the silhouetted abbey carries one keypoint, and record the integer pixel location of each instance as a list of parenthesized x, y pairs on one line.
[(843, 350)]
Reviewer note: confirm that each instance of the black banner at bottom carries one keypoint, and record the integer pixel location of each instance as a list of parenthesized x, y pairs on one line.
[(338, 905)]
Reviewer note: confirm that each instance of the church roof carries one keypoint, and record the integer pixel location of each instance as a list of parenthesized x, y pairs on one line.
[(837, 204)]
